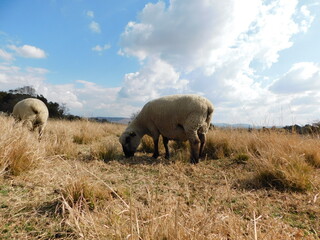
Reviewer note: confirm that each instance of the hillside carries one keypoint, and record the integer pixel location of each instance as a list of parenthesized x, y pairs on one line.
[(76, 184)]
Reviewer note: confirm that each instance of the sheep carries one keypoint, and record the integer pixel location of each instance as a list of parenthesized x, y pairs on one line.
[(33, 113), (175, 117)]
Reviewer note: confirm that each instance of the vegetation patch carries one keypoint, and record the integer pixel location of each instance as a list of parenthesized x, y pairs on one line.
[(249, 185)]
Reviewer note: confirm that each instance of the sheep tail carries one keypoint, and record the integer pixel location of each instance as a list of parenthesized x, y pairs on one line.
[(34, 110), (209, 115)]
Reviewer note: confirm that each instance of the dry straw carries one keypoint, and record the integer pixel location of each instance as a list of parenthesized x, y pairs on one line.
[(248, 185), (19, 149)]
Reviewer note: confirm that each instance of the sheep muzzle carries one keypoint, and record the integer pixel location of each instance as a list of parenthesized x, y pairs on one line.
[(127, 152)]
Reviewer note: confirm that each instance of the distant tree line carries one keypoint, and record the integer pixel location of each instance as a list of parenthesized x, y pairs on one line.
[(10, 98), (306, 129)]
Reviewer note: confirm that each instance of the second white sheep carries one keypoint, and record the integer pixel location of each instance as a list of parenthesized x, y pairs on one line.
[(33, 113)]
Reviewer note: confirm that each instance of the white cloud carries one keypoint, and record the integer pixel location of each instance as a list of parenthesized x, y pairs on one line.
[(214, 44), (154, 79), (206, 34), (100, 49), (39, 71), (90, 14), (302, 77), (83, 98), (28, 51), (209, 47), (12, 77), (95, 27), (308, 18), (6, 56)]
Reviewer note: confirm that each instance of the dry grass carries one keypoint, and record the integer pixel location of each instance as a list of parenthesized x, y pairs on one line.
[(19, 149), (250, 185)]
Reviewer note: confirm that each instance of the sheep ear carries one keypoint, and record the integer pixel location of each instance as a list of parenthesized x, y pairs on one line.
[(132, 134)]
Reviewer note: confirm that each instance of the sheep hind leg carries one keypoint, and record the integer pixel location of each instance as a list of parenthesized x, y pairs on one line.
[(195, 146), (202, 138), (165, 143)]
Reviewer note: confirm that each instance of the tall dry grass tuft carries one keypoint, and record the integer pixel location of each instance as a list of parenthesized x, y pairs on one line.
[(284, 173), (310, 150), (68, 138), (81, 194), (223, 143), (106, 151), (80, 203), (86, 132), (58, 139), (280, 160), (19, 148), (313, 157)]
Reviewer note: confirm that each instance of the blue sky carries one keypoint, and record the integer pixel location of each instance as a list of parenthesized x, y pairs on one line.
[(257, 61)]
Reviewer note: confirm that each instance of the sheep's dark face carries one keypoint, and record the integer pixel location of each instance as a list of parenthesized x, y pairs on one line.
[(130, 142)]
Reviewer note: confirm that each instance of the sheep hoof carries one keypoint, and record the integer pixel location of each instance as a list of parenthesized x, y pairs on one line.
[(194, 161), (155, 155)]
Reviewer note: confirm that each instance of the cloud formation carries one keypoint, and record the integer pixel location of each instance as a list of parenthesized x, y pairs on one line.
[(302, 77), (28, 51), (214, 44), (90, 14), (154, 79), (95, 27), (99, 48), (219, 49), (6, 56)]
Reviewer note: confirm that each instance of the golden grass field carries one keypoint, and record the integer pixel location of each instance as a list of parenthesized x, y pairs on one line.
[(76, 184)]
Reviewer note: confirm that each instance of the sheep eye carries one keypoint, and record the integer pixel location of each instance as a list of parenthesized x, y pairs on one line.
[(132, 134)]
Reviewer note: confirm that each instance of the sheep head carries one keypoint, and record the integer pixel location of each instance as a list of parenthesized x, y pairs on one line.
[(130, 142)]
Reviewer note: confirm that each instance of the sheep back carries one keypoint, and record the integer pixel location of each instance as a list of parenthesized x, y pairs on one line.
[(173, 116)]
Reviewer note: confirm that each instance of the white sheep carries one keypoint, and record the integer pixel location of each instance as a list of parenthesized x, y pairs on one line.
[(176, 117), (33, 113)]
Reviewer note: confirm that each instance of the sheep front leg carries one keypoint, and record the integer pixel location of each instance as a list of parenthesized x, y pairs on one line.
[(156, 147), (165, 143)]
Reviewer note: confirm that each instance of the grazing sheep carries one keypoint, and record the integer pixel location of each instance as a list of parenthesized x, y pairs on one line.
[(33, 113), (176, 117)]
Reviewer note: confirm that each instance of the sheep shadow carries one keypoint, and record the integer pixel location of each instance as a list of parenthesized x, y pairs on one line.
[(141, 160)]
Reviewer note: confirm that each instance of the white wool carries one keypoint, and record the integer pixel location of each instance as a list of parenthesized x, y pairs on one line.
[(176, 117), (33, 113)]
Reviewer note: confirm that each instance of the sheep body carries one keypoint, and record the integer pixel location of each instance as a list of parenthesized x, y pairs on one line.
[(175, 117), (33, 113)]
